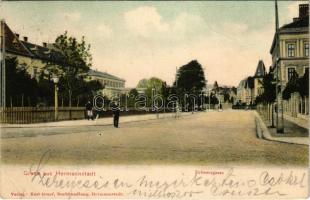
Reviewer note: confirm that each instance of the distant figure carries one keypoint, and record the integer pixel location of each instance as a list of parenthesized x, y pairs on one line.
[(89, 110), (116, 111)]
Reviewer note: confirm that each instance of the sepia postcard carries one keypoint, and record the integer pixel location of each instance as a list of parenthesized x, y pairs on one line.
[(188, 100)]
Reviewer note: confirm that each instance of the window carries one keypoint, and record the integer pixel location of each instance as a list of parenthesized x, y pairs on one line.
[(306, 49), (291, 50), (290, 73)]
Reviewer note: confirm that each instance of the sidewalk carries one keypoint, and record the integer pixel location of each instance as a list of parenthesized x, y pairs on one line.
[(100, 121), (291, 130), (299, 121)]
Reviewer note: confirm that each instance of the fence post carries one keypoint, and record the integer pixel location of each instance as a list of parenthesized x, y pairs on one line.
[(70, 113)]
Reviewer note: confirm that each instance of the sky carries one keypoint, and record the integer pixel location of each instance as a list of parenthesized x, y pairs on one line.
[(136, 40)]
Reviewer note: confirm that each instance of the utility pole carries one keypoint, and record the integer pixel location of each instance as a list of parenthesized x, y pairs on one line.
[(176, 88), (56, 80), (2, 66), (279, 119)]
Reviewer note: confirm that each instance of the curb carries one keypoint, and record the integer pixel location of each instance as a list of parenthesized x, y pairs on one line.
[(261, 128)]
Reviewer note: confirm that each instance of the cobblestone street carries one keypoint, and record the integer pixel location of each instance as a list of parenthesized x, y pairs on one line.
[(213, 138)]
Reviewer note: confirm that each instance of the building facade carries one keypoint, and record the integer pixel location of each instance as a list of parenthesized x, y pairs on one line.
[(245, 91), (258, 79), (293, 59), (30, 56), (293, 47), (252, 86), (113, 86)]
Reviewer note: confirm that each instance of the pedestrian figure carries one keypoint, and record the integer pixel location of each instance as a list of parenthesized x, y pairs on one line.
[(89, 110), (116, 112)]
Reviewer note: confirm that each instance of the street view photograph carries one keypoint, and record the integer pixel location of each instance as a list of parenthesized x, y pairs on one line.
[(154, 99)]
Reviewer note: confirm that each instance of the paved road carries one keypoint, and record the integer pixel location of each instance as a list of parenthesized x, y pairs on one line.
[(203, 138)]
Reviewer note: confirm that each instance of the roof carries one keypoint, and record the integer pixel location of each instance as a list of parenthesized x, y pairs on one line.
[(19, 47), (299, 25), (103, 75), (13, 44), (44, 53), (260, 69)]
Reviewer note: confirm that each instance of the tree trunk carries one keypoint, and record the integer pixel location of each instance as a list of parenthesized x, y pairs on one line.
[(272, 116), (70, 98)]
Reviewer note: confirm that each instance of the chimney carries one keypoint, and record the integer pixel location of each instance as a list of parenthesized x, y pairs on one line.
[(303, 10), (17, 35), (45, 44), (26, 39)]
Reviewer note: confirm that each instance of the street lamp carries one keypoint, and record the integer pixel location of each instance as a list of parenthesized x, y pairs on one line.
[(56, 80)]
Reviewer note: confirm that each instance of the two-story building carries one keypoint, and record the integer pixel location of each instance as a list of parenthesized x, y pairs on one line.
[(293, 58), (293, 47), (34, 57), (30, 56), (113, 85)]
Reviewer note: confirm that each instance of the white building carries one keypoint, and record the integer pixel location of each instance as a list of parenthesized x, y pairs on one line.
[(113, 85)]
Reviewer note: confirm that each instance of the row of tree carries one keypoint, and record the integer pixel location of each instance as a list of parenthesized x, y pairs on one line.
[(187, 87), (295, 84)]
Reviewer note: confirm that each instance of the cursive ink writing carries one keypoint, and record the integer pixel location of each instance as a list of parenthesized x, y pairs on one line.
[(69, 182), (227, 184)]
